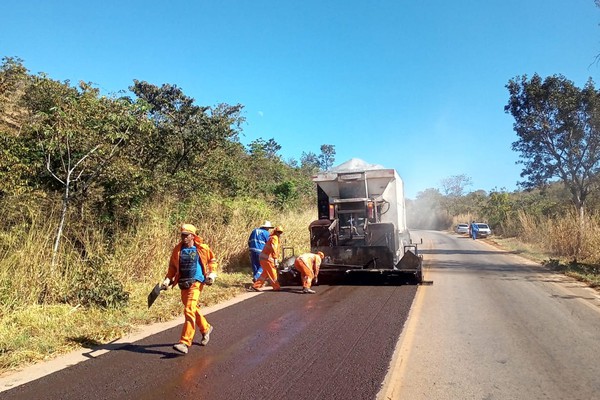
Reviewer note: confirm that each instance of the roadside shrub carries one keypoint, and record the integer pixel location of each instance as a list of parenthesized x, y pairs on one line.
[(95, 286)]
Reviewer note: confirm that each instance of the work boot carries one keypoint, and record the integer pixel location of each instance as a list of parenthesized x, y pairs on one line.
[(253, 289), (181, 347), (206, 337), (307, 290)]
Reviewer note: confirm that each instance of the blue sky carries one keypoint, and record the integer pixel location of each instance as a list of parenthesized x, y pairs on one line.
[(418, 86)]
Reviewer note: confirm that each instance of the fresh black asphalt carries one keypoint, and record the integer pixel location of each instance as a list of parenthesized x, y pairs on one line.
[(336, 344)]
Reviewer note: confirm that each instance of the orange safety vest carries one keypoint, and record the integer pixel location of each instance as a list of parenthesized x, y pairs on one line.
[(207, 259), (271, 249), (311, 260)]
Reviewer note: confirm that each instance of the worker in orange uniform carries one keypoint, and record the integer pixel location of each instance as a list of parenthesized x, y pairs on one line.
[(308, 264), (269, 260), (192, 265)]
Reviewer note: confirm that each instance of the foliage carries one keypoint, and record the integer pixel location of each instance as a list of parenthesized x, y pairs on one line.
[(96, 286), (327, 157), (312, 163), (186, 137), (79, 135), (14, 79), (558, 128), (454, 186), (497, 208), (259, 148), (17, 157), (285, 193), (18, 164), (97, 164)]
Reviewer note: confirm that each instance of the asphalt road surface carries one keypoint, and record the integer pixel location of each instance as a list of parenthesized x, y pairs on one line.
[(336, 344), (494, 326)]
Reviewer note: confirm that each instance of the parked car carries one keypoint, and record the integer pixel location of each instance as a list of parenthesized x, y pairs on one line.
[(462, 229), (484, 230)]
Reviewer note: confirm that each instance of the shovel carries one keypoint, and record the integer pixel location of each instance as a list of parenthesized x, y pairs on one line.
[(154, 294)]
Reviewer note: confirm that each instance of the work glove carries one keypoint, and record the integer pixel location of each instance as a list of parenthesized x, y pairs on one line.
[(165, 284), (276, 263), (210, 279)]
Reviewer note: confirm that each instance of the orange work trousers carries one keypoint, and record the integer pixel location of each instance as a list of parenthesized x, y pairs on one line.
[(306, 273), (191, 312), (268, 272)]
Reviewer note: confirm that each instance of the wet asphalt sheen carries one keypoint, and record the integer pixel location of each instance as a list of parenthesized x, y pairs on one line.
[(336, 344)]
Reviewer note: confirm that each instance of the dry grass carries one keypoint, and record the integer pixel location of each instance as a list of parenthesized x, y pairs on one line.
[(31, 332), (560, 244), (462, 219)]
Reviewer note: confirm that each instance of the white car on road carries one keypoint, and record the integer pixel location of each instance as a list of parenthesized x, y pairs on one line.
[(462, 229), (483, 230)]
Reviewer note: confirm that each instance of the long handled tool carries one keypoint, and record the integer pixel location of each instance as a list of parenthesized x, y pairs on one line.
[(155, 293)]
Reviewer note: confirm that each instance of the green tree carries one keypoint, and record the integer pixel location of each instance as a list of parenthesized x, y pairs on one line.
[(498, 208), (17, 165), (285, 194), (454, 186), (265, 149), (185, 134), (266, 170), (78, 133), (14, 79), (559, 137), (327, 157), (453, 189), (309, 162)]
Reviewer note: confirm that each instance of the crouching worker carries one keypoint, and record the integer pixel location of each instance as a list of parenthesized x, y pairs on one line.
[(192, 265), (308, 264)]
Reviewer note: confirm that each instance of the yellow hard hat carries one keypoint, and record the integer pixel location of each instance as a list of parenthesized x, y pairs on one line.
[(188, 228), (278, 229), (320, 254)]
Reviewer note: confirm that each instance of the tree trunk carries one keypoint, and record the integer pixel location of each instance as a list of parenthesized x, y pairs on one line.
[(581, 226), (61, 224)]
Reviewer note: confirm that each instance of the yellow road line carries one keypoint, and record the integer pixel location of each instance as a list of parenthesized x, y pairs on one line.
[(393, 380)]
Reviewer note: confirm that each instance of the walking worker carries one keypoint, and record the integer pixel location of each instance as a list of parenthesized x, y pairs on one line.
[(474, 230), (191, 266), (256, 243), (269, 260), (308, 264)]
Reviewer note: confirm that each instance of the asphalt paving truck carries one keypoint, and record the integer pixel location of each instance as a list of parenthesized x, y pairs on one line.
[(361, 225)]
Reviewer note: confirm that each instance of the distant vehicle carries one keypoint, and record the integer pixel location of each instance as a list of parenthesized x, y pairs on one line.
[(462, 229), (483, 231)]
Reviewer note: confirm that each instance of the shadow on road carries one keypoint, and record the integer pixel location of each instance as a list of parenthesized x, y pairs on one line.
[(94, 347), (454, 251)]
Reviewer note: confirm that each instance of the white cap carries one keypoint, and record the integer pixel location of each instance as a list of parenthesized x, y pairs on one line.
[(267, 224)]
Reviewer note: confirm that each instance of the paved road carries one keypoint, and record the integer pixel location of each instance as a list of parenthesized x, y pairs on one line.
[(336, 344), (494, 326)]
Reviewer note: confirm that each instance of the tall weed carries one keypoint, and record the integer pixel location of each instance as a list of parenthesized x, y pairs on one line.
[(564, 236)]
